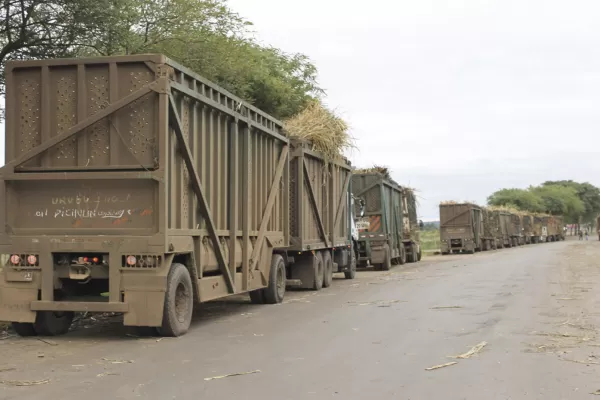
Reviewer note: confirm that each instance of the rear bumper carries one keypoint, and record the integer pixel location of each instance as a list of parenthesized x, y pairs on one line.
[(135, 291), (79, 306)]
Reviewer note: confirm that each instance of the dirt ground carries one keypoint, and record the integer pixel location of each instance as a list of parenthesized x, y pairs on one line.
[(523, 323)]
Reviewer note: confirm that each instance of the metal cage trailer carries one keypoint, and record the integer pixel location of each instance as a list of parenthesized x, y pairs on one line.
[(383, 239), (461, 228), (133, 185)]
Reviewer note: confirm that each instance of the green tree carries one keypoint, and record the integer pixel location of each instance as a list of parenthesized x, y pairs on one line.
[(518, 198), (560, 200), (587, 193), (205, 35), (32, 29)]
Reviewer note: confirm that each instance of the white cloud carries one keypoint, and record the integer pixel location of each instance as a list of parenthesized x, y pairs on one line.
[(459, 98)]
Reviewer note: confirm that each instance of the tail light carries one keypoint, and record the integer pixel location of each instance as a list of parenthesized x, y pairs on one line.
[(15, 259), (131, 260), (32, 260)]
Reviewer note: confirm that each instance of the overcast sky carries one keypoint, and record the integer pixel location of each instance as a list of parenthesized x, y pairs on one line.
[(459, 98)]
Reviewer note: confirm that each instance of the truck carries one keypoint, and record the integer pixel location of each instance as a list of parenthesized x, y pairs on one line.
[(491, 230), (528, 228), (516, 229), (133, 185), (552, 228), (411, 233), (538, 229), (461, 228), (385, 235), (505, 224)]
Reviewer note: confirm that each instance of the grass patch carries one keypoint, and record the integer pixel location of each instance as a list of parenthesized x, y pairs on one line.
[(430, 240)]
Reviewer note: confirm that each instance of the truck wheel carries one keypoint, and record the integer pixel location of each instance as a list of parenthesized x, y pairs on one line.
[(256, 296), (402, 258), (419, 254), (179, 302), (352, 273), (327, 269), (387, 259), (274, 293), (50, 323), (318, 271), (24, 329)]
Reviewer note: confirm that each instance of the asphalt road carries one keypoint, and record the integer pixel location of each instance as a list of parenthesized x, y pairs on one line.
[(371, 338)]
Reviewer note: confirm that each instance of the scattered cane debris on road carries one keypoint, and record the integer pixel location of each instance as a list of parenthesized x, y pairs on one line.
[(474, 351), (25, 383), (234, 374), (441, 366)]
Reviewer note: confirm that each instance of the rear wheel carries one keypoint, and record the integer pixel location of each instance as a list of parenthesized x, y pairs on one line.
[(402, 258), (318, 271), (179, 302), (327, 269), (50, 323), (387, 259), (274, 293), (24, 329), (351, 274), (413, 254), (419, 254)]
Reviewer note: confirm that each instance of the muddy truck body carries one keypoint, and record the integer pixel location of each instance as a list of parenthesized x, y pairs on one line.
[(461, 228), (504, 219), (516, 230), (411, 225), (133, 185), (552, 228), (538, 229), (492, 238), (383, 240), (528, 228)]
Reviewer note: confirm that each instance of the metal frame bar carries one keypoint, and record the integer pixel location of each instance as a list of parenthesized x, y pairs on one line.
[(199, 191), (313, 200), (341, 203), (80, 126), (264, 223)]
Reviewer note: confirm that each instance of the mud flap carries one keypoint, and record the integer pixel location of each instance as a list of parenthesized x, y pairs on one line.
[(145, 298), (145, 308), (15, 304)]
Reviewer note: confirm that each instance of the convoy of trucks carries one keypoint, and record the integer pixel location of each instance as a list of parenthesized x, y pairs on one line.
[(133, 185), (466, 227), (388, 228)]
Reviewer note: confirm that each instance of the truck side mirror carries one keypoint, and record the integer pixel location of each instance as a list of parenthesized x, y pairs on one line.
[(362, 207), (421, 224)]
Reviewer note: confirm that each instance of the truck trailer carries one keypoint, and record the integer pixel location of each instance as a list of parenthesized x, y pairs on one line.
[(516, 230), (461, 228), (385, 234), (134, 185)]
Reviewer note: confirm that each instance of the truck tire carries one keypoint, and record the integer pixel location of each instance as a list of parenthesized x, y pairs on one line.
[(256, 296), (402, 258), (419, 254), (318, 271), (352, 273), (24, 329), (387, 259), (413, 254), (274, 293), (50, 323), (179, 302), (327, 269)]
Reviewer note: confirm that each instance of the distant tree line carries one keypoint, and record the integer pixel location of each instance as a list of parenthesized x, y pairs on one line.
[(578, 202), (204, 35)]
